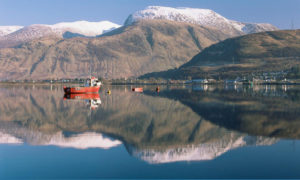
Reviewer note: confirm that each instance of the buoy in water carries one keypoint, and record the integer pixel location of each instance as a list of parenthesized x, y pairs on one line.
[(137, 89), (157, 89)]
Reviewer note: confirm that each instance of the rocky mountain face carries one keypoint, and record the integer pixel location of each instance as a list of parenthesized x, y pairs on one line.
[(254, 53), (204, 17), (142, 47), (13, 36)]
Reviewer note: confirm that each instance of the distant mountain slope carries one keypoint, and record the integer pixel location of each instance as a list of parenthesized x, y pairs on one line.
[(262, 52), (145, 46), (205, 17), (4, 30), (36, 31)]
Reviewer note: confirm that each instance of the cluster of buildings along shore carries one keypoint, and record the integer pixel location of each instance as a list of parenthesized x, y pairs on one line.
[(169, 81), (263, 78)]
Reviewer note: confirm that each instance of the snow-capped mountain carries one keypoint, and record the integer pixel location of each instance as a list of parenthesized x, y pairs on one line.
[(201, 152), (78, 28), (5, 30), (205, 17)]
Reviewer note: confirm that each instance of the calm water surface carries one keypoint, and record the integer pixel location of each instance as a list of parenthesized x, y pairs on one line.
[(180, 132)]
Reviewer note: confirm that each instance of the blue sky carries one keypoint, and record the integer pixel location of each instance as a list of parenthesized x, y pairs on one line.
[(280, 13)]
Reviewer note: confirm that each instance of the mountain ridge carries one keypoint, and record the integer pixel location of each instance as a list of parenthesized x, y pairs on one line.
[(198, 16), (36, 31)]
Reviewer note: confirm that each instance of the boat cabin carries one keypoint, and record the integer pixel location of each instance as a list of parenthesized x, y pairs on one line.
[(92, 82)]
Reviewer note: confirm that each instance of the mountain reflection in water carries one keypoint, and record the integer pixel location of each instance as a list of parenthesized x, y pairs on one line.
[(177, 124)]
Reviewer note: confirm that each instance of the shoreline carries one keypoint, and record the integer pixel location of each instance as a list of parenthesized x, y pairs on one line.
[(150, 83)]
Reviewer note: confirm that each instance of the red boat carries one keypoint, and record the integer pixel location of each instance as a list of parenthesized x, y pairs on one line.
[(92, 86)]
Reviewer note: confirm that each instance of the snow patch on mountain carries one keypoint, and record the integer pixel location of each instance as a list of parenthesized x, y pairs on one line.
[(205, 17), (5, 30), (84, 27)]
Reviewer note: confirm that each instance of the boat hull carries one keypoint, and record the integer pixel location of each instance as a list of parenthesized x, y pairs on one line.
[(82, 96), (81, 90)]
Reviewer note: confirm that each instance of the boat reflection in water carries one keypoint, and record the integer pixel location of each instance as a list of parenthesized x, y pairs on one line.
[(93, 99)]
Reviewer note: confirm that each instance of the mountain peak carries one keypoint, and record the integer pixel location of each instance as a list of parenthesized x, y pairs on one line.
[(181, 14), (205, 17)]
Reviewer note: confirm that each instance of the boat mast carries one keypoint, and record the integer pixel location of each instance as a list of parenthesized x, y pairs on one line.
[(90, 70)]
